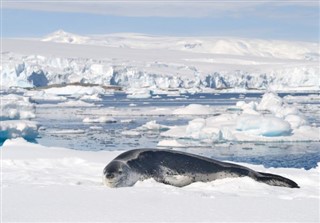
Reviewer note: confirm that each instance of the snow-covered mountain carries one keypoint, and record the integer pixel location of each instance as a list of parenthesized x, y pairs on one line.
[(215, 45), (157, 62), (61, 36)]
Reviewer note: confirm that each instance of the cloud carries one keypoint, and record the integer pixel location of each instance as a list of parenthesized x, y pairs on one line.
[(163, 8)]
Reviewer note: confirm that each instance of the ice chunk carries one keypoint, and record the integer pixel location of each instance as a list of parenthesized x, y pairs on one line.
[(16, 107), (102, 119), (152, 126), (94, 97), (271, 102), (170, 143), (265, 126), (130, 133), (18, 128), (43, 96), (75, 90), (296, 121), (138, 93), (193, 109)]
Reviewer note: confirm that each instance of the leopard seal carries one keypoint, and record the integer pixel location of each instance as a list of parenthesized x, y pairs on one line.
[(178, 169)]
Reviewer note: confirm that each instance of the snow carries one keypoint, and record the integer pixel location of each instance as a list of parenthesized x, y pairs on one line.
[(47, 184), (154, 63), (64, 37)]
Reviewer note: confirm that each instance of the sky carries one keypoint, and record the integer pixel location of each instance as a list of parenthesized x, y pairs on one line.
[(282, 19)]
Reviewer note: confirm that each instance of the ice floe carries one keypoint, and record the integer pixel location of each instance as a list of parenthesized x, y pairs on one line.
[(16, 107), (36, 177), (270, 120), (18, 128)]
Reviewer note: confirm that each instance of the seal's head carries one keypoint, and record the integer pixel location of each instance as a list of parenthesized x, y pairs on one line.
[(119, 174)]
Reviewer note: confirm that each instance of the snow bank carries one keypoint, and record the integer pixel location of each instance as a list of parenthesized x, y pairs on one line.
[(64, 184), (269, 120), (16, 107)]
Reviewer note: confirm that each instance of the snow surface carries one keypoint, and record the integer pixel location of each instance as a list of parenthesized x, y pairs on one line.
[(157, 63), (46, 184)]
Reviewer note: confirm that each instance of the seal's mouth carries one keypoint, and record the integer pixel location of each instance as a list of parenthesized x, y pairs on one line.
[(108, 182)]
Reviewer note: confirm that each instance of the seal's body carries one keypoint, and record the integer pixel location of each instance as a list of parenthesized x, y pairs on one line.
[(178, 169)]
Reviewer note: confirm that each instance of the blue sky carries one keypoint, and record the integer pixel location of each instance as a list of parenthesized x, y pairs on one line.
[(286, 20)]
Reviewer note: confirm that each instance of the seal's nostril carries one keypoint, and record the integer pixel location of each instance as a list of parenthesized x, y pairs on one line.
[(110, 175)]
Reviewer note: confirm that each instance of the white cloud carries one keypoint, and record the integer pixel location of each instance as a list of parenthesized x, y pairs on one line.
[(163, 8)]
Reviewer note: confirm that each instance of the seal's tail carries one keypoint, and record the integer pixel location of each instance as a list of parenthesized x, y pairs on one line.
[(276, 180)]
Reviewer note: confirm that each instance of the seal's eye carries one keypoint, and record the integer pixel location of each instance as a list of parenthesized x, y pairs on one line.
[(120, 172)]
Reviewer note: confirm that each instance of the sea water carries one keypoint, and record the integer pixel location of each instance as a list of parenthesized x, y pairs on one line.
[(63, 126)]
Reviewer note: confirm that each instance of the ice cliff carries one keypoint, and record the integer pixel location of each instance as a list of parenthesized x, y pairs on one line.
[(134, 61)]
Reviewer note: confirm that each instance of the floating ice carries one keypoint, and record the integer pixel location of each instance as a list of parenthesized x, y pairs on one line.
[(34, 175), (43, 96), (152, 126), (130, 133), (102, 119), (16, 107), (170, 143), (285, 123), (75, 90), (264, 126), (94, 97), (138, 93), (18, 128), (194, 109)]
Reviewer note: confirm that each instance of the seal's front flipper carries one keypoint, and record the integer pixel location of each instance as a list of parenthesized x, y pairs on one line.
[(276, 180), (176, 180)]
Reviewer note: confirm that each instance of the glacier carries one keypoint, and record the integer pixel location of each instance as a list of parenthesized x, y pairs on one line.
[(135, 61)]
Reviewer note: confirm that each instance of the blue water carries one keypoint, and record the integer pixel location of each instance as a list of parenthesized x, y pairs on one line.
[(108, 136)]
